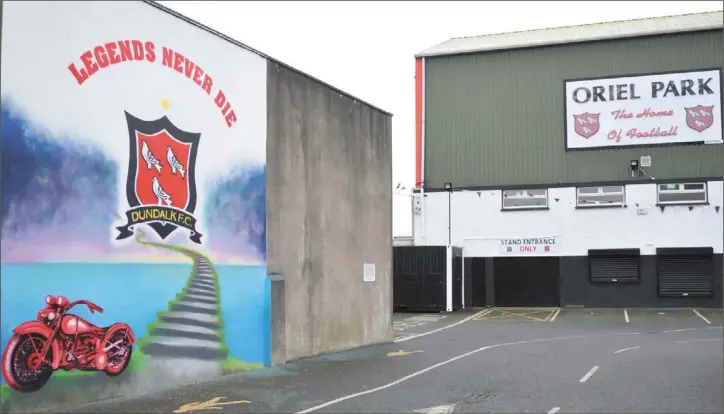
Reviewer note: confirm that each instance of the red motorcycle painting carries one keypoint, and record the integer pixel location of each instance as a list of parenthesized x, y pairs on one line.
[(60, 340)]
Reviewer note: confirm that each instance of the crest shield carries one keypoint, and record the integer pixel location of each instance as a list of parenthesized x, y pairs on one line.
[(161, 179), (586, 124), (699, 117)]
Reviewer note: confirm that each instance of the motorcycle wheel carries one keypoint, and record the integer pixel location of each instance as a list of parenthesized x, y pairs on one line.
[(18, 361), (118, 359)]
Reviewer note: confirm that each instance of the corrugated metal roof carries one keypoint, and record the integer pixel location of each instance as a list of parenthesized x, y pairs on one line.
[(581, 33)]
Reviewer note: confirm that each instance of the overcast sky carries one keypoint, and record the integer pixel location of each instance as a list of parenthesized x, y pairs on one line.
[(367, 48)]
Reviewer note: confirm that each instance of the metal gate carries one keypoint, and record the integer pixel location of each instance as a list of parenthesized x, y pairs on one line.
[(419, 278), (614, 265), (685, 272)]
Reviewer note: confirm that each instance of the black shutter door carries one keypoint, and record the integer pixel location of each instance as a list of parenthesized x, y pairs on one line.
[(614, 269), (685, 272), (614, 265)]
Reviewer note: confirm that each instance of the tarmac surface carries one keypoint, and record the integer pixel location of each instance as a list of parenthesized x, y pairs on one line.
[(492, 361)]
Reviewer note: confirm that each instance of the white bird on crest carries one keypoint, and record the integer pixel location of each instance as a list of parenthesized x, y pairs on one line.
[(175, 165), (148, 156), (160, 194)]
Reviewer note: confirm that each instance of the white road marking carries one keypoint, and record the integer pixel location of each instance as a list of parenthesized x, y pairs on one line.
[(405, 325), (439, 364), (553, 318), (589, 374), (690, 329), (625, 315), (554, 410), (680, 330), (625, 349), (699, 340), (440, 409), (407, 338), (701, 316), (424, 318)]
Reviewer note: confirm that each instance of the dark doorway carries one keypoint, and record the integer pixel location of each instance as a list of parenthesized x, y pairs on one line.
[(457, 278), (476, 273), (526, 281), (419, 278)]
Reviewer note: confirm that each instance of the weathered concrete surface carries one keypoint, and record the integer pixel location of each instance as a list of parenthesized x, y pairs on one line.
[(329, 211), (278, 311)]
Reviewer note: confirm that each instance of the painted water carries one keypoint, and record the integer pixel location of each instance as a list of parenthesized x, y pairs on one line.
[(134, 292), (246, 310)]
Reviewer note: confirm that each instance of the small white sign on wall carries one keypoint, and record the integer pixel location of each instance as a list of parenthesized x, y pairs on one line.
[(369, 273), (528, 246)]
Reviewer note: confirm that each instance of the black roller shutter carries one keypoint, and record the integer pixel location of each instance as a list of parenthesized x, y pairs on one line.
[(685, 272), (614, 265)]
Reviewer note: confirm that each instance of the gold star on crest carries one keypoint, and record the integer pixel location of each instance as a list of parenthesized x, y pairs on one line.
[(165, 104)]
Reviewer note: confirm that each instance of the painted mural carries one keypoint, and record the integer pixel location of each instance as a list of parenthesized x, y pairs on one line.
[(133, 203)]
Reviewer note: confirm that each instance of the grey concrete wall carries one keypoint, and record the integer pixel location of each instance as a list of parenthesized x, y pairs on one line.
[(329, 211)]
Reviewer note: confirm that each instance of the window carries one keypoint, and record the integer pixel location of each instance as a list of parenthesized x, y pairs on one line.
[(605, 196), (684, 193), (525, 199)]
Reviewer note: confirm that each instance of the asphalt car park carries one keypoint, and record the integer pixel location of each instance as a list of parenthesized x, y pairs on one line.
[(489, 360), (517, 315), (606, 318), (406, 325)]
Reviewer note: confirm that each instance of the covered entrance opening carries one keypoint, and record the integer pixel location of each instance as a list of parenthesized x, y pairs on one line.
[(475, 279), (527, 282)]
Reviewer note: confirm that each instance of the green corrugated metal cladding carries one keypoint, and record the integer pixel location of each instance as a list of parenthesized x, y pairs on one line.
[(496, 118)]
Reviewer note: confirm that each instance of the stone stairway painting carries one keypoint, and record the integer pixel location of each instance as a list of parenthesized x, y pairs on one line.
[(189, 335)]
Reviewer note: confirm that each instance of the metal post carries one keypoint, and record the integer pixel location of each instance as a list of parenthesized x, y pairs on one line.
[(449, 218)]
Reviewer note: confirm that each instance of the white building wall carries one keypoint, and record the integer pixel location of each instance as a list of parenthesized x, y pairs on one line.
[(478, 224)]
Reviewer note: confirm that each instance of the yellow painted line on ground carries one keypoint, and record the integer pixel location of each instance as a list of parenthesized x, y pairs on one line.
[(442, 328), (480, 315), (526, 315), (212, 404), (508, 314)]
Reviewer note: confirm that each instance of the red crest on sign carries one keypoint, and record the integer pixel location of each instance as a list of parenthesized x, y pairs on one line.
[(586, 124), (699, 117), (169, 179)]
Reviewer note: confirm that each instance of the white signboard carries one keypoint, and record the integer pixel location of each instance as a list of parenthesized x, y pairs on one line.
[(369, 274), (670, 108), (537, 245)]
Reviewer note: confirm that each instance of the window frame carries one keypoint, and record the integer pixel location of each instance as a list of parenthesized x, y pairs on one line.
[(601, 187), (705, 191), (504, 196)]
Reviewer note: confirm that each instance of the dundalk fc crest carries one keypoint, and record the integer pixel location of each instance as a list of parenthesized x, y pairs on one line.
[(161, 186)]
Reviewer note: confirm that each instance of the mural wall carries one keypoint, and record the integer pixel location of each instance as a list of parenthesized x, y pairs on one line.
[(133, 202)]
